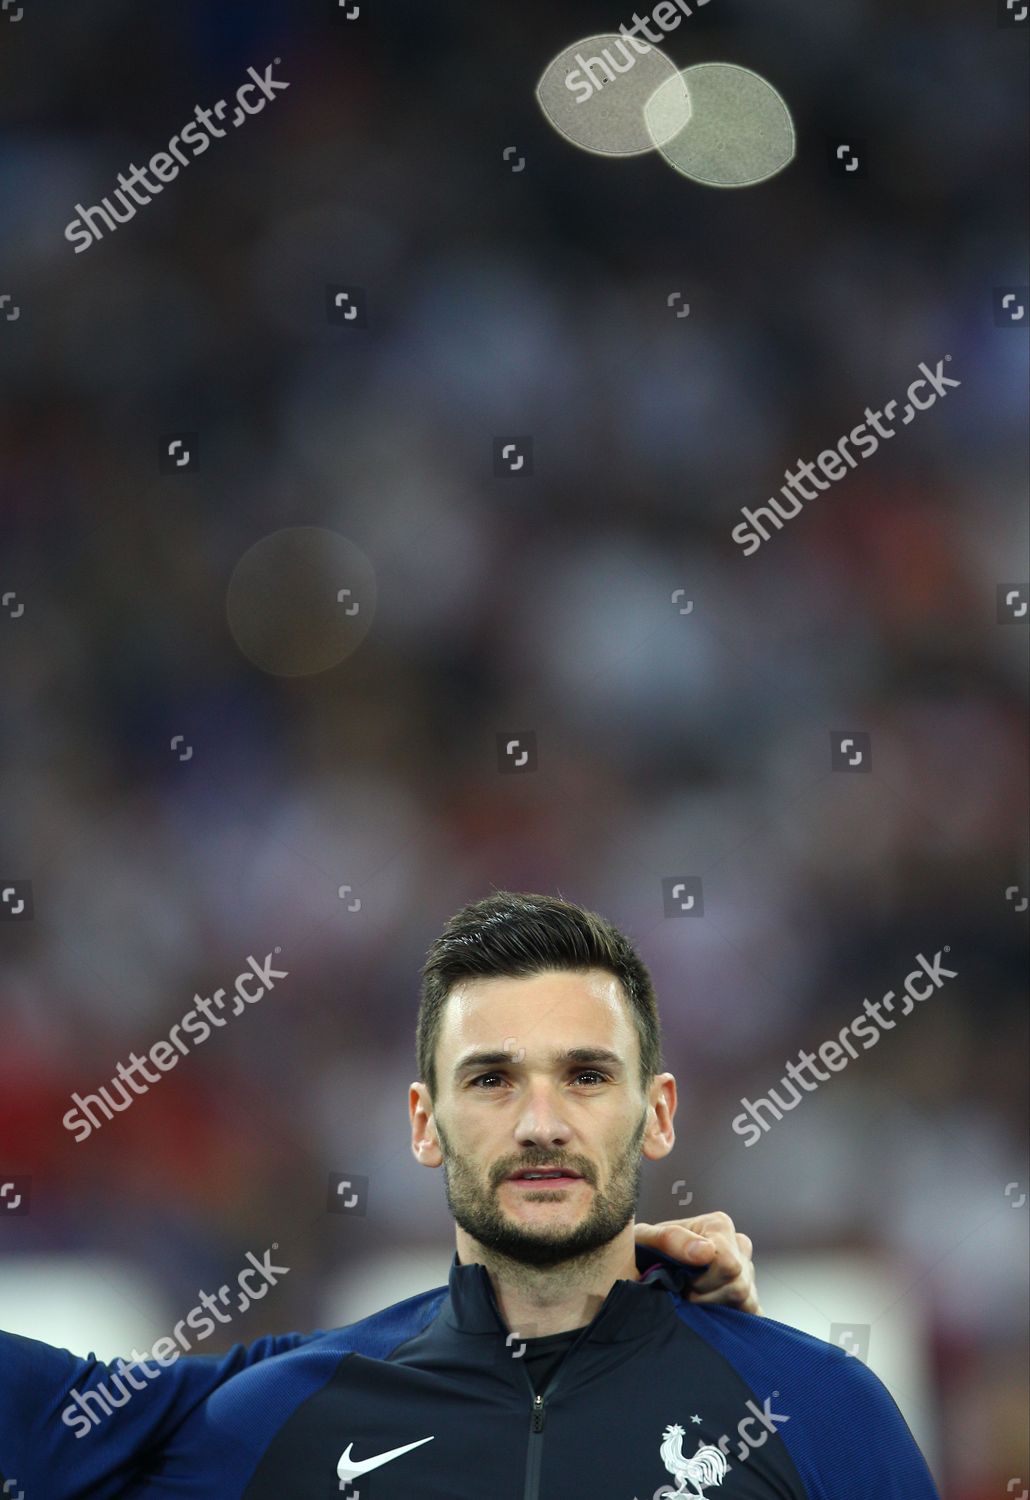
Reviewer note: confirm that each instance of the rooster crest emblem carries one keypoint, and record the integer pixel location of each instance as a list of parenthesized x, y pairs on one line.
[(707, 1467)]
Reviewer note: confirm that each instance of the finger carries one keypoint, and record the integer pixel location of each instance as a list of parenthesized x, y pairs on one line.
[(741, 1294), (735, 1291), (674, 1238), (726, 1266), (714, 1223), (732, 1257), (722, 1275), (729, 1279)]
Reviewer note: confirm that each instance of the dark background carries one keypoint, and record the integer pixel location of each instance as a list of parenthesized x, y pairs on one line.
[(529, 303)]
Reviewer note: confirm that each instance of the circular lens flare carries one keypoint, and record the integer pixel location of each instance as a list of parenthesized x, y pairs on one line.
[(595, 93), (740, 131), (301, 600)]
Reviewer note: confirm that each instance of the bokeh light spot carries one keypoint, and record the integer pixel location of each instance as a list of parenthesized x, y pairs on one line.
[(301, 600)]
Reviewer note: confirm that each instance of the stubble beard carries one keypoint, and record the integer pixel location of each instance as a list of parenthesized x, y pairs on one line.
[(476, 1209)]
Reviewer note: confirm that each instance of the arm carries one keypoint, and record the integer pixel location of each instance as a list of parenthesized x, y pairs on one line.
[(861, 1445), (74, 1428)]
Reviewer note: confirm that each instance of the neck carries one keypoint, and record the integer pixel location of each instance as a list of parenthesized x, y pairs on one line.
[(538, 1300)]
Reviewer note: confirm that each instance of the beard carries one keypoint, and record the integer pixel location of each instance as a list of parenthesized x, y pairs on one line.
[(475, 1206)]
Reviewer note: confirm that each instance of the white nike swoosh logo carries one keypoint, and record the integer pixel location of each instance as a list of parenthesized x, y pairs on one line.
[(351, 1468)]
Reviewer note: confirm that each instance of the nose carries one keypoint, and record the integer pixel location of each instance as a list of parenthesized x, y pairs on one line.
[(541, 1122)]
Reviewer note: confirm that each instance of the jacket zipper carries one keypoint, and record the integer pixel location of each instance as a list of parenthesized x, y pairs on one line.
[(531, 1491), (538, 1411)]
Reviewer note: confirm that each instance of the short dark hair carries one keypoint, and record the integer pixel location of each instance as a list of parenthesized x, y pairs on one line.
[(515, 935)]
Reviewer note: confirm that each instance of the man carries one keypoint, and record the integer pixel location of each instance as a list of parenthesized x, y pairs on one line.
[(569, 1357)]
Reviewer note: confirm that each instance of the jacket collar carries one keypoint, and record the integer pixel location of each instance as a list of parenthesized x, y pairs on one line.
[(631, 1309)]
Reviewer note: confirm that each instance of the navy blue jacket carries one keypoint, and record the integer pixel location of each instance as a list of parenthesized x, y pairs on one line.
[(430, 1399)]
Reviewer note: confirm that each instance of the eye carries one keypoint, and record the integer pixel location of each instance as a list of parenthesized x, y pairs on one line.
[(593, 1075)]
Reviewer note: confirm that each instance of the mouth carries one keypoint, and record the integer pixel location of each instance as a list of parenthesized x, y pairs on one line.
[(544, 1177)]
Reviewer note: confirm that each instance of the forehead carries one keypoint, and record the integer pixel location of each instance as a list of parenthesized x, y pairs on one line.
[(544, 1012)]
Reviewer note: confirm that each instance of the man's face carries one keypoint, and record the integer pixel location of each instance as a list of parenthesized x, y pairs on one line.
[(540, 1109)]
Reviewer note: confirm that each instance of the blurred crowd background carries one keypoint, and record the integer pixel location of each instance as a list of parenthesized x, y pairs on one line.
[(530, 302)]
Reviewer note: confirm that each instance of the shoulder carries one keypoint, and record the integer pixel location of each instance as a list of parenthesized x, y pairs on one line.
[(840, 1423), (759, 1347), (375, 1336), (381, 1332), (257, 1397)]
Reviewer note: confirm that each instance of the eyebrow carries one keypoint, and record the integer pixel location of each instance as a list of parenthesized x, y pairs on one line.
[(582, 1056)]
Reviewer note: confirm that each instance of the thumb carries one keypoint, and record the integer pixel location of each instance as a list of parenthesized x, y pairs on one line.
[(673, 1239)]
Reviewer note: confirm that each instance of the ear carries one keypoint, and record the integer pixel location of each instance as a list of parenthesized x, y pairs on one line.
[(659, 1135), (424, 1144)]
